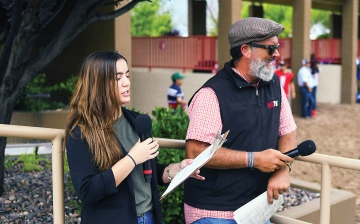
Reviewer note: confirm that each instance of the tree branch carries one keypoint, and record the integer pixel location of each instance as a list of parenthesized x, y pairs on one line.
[(118, 12), (46, 18), (15, 24)]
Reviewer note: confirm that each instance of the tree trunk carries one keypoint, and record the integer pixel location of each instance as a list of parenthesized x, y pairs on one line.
[(5, 118)]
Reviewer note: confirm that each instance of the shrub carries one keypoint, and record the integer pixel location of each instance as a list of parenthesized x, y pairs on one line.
[(168, 124)]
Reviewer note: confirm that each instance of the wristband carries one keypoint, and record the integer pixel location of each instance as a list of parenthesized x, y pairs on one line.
[(250, 159), (132, 159), (168, 172)]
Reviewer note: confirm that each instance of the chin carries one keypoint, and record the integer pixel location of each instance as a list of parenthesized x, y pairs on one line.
[(125, 101)]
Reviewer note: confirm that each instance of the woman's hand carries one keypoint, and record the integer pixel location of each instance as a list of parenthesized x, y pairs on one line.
[(143, 151), (195, 175)]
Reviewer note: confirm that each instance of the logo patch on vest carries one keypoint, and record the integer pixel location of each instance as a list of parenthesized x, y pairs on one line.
[(272, 104)]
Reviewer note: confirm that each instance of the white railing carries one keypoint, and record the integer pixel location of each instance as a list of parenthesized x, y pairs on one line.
[(57, 136)]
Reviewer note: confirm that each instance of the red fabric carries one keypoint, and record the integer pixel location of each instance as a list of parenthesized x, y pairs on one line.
[(285, 80)]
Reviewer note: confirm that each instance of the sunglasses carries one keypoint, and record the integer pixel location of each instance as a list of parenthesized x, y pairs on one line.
[(272, 48)]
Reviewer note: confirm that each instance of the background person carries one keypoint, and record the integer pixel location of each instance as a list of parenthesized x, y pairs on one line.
[(305, 82), (315, 73), (175, 95), (104, 152), (286, 78), (246, 98)]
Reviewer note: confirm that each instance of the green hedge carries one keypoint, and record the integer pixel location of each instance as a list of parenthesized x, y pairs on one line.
[(168, 124)]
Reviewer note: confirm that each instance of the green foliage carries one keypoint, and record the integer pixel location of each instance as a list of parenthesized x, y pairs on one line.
[(7, 163), (31, 162), (148, 20), (284, 15), (40, 85), (168, 124)]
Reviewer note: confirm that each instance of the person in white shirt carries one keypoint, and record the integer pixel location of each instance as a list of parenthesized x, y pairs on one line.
[(306, 84)]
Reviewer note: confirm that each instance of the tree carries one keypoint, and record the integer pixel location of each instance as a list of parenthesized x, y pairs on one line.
[(21, 22), (148, 20)]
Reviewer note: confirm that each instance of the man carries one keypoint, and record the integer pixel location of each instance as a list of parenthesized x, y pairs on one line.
[(175, 95), (286, 80), (305, 82), (315, 74), (246, 98)]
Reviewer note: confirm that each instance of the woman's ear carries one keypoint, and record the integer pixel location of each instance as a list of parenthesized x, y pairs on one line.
[(246, 51)]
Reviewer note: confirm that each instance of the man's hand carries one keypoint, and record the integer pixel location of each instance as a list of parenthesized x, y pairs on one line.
[(270, 160), (278, 183)]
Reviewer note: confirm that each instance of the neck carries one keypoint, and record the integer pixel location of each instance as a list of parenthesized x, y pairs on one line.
[(243, 67)]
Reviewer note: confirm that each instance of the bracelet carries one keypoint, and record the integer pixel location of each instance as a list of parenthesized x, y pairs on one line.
[(250, 159), (132, 159), (168, 171), (289, 165)]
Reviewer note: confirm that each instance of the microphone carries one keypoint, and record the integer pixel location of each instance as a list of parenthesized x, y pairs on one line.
[(143, 128), (305, 148)]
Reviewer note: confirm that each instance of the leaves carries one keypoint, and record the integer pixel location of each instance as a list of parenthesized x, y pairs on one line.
[(173, 125), (147, 20)]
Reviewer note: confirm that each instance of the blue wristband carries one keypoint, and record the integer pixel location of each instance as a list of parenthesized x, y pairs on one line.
[(132, 159)]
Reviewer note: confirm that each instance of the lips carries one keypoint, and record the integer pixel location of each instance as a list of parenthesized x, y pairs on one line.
[(126, 92)]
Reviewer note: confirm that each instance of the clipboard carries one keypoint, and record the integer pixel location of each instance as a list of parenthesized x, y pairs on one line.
[(197, 163)]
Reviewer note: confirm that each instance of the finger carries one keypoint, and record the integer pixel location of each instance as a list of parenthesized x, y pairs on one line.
[(286, 158), (276, 194), (153, 155), (147, 141), (270, 196), (281, 192)]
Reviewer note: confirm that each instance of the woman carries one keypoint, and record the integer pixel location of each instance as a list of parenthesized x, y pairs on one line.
[(104, 153)]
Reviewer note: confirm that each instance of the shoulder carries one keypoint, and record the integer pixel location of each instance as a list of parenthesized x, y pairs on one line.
[(129, 113)]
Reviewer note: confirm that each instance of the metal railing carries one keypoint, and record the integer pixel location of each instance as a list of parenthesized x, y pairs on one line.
[(200, 52), (57, 136)]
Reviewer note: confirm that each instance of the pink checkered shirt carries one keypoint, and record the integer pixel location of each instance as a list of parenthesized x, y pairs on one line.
[(205, 122)]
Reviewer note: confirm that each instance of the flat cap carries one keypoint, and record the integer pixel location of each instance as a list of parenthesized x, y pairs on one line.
[(252, 29)]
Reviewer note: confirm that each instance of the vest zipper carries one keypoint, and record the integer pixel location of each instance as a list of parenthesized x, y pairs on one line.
[(261, 118)]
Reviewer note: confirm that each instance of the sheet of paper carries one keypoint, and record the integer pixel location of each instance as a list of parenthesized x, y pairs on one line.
[(258, 210), (197, 163)]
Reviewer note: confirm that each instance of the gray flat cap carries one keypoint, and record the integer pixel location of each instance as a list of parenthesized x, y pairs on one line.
[(252, 29)]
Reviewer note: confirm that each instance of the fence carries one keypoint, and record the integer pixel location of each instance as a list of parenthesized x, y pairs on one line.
[(57, 135), (200, 52)]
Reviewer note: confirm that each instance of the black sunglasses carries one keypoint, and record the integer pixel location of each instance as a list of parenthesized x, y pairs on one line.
[(272, 48)]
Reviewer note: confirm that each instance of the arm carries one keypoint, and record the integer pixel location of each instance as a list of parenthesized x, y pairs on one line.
[(280, 179), (293, 93), (90, 184)]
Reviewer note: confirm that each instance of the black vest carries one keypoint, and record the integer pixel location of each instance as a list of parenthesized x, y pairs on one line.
[(253, 116)]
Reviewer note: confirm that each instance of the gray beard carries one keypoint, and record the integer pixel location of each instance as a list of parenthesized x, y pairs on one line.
[(259, 70)]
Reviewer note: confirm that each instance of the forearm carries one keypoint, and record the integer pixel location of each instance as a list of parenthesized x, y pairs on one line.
[(122, 169), (224, 159)]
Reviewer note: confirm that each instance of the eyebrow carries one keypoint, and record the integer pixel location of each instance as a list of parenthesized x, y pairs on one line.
[(120, 73)]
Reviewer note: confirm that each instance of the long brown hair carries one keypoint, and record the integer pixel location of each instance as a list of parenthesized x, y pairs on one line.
[(94, 107)]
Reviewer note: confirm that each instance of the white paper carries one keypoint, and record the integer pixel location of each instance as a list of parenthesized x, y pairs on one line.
[(258, 210), (197, 163)]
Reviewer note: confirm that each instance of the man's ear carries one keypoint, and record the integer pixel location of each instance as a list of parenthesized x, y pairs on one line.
[(246, 51)]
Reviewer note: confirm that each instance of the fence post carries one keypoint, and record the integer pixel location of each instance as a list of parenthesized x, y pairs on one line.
[(325, 202), (58, 180)]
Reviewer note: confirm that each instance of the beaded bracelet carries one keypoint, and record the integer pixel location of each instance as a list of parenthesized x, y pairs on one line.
[(168, 172)]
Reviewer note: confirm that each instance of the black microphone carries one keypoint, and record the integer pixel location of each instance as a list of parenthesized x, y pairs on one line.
[(305, 148), (143, 128)]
